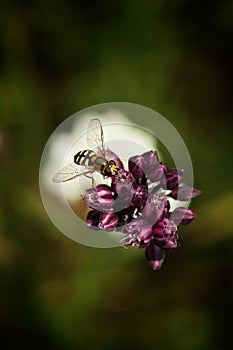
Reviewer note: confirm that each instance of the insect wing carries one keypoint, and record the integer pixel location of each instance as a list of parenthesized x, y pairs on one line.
[(95, 137), (69, 172)]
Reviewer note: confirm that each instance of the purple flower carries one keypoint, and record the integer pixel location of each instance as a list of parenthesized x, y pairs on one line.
[(137, 204), (146, 166), (165, 234)]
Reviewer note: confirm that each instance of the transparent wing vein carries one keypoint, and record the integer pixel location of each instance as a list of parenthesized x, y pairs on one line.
[(95, 137), (69, 172)]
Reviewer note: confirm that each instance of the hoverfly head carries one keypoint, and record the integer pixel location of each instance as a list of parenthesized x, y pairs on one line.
[(110, 168)]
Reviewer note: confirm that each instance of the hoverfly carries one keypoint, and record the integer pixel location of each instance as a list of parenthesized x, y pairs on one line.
[(87, 161)]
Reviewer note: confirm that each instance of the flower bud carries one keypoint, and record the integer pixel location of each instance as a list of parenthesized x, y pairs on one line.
[(155, 256)]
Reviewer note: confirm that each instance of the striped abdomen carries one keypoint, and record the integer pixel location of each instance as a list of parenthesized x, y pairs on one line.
[(89, 158)]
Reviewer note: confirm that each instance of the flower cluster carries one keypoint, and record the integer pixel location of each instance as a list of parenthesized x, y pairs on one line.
[(137, 204)]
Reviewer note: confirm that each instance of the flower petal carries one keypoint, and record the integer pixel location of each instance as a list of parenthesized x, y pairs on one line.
[(173, 177), (157, 206), (151, 166), (183, 216), (108, 221), (155, 256), (100, 198), (184, 193), (124, 195), (132, 231), (135, 165), (104, 194)]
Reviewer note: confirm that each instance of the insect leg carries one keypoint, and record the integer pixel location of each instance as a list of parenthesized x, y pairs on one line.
[(92, 180)]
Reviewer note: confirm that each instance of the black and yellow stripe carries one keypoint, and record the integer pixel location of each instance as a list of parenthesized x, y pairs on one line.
[(85, 157)]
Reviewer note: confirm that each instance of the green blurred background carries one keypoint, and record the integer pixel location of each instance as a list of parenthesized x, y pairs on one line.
[(58, 58)]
